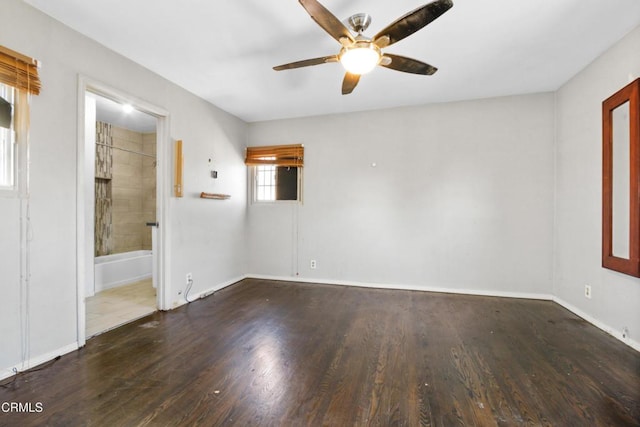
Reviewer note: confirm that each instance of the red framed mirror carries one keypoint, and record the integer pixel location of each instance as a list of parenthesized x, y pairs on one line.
[(620, 180)]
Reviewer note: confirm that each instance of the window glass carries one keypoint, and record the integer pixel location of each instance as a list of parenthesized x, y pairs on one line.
[(265, 183), (286, 183), (7, 138), (273, 183)]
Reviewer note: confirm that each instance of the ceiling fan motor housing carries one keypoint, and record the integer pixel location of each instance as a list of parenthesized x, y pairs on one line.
[(359, 22), (360, 54)]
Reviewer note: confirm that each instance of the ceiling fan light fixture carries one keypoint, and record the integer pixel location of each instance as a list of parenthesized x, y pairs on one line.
[(361, 54), (361, 58)]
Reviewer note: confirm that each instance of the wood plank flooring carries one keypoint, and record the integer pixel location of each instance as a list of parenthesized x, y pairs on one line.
[(267, 353)]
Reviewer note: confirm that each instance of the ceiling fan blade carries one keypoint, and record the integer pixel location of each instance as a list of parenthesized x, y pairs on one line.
[(407, 65), (349, 83), (327, 20), (411, 22), (307, 63)]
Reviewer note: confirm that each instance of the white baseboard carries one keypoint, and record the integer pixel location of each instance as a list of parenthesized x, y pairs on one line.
[(404, 287), (598, 324), (99, 287), (547, 297), (207, 292), (38, 360), (35, 361)]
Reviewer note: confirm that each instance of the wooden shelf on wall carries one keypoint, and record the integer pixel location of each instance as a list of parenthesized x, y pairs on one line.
[(214, 196)]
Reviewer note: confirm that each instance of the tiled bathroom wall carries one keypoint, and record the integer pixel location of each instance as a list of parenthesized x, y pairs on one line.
[(130, 192), (130, 189), (103, 175)]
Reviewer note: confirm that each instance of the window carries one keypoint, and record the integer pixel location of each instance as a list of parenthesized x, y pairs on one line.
[(276, 183), (277, 172), (18, 80), (7, 138)]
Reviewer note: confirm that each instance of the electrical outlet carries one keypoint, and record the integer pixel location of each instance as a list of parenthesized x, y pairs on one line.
[(625, 332), (587, 291), (313, 264), (189, 278)]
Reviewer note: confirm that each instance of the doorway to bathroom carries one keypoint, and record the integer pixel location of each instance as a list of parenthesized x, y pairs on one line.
[(124, 216), (120, 243)]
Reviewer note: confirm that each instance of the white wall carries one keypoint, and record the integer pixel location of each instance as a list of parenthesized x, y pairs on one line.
[(461, 198), (616, 297), (207, 236)]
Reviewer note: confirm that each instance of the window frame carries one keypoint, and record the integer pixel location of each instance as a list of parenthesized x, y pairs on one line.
[(291, 155), (20, 72), (12, 190), (253, 172)]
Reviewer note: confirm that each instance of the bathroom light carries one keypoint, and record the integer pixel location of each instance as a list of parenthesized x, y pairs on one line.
[(360, 58), (127, 108)]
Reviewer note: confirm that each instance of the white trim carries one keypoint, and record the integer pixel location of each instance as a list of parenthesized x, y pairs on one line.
[(84, 212), (35, 361), (13, 191), (598, 324), (546, 297), (7, 372), (118, 283), (162, 266), (405, 287), (252, 191), (209, 291)]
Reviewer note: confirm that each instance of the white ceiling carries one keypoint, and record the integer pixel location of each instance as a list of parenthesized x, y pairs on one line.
[(224, 50), (109, 111)]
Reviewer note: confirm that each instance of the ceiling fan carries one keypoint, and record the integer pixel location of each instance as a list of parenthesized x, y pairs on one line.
[(360, 54)]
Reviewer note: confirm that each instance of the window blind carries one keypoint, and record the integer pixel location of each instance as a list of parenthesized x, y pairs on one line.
[(19, 71), (279, 155)]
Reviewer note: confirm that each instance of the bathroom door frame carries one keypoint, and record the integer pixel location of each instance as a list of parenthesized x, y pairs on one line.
[(86, 195)]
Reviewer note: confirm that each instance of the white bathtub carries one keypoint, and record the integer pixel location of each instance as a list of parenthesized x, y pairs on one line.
[(119, 269)]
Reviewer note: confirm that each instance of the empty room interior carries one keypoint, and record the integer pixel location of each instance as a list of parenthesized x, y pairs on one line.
[(221, 214)]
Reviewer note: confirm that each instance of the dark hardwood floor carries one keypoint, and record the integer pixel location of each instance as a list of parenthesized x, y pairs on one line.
[(270, 353)]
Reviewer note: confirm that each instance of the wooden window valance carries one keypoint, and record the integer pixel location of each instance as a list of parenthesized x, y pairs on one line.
[(19, 71), (279, 155)]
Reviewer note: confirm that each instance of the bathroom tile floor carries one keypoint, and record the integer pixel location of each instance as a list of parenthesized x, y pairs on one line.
[(114, 307)]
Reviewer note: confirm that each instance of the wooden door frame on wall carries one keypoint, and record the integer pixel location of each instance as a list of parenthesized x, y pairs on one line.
[(85, 195)]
